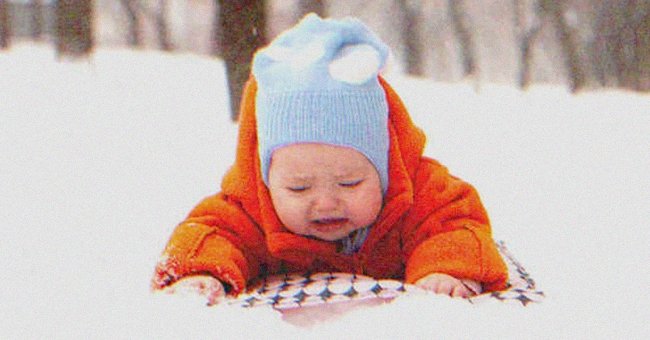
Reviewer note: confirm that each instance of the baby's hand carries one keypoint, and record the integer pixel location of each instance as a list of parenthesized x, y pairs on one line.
[(203, 285), (449, 285)]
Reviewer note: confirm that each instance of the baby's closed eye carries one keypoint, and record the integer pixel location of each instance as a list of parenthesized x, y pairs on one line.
[(298, 188), (350, 184)]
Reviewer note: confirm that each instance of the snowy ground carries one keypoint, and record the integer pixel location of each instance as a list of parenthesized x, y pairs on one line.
[(99, 160)]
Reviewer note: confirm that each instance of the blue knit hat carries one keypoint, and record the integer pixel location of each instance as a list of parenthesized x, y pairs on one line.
[(318, 83)]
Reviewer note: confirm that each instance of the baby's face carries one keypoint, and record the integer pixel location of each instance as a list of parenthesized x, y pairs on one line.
[(324, 191)]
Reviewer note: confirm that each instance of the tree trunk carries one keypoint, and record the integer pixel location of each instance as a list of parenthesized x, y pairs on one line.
[(412, 36), (309, 6), (632, 42), (36, 10), (74, 34), (625, 45), (526, 46), (5, 25), (242, 33), (135, 38), (164, 41), (598, 45), (464, 36), (526, 32), (642, 48), (554, 11), (215, 32)]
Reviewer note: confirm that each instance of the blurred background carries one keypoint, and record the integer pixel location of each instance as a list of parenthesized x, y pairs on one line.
[(582, 44)]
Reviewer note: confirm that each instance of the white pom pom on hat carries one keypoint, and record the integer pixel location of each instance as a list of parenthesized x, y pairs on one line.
[(318, 82), (347, 68)]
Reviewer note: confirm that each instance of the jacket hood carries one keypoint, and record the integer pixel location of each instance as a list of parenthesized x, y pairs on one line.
[(243, 182)]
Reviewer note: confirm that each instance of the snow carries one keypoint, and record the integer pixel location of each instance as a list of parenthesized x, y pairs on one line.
[(101, 159)]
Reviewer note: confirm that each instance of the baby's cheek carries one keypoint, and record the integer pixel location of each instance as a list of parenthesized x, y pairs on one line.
[(367, 210), (373, 204), (288, 210)]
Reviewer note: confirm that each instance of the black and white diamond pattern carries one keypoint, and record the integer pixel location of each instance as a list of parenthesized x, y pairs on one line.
[(300, 290)]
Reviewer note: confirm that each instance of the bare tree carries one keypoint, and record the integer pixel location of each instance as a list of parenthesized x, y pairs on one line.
[(215, 32), (642, 48), (553, 10), (164, 41), (157, 14), (600, 54), (624, 45), (36, 10), (134, 22), (74, 33), (412, 36), (632, 38), (309, 6), (242, 26), (526, 31), (463, 35), (5, 25)]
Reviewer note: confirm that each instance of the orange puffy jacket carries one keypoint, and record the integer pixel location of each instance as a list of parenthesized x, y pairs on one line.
[(431, 222)]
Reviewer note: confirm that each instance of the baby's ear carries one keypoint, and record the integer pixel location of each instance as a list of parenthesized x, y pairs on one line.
[(355, 64)]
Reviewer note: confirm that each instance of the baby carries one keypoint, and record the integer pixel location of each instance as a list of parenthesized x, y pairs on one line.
[(329, 176)]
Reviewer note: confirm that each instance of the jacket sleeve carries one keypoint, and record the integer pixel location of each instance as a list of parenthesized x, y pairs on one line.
[(218, 238), (449, 231)]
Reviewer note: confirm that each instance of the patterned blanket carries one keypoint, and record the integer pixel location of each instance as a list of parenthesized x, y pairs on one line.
[(311, 289)]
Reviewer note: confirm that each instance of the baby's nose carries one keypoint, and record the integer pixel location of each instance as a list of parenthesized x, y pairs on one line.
[(325, 202)]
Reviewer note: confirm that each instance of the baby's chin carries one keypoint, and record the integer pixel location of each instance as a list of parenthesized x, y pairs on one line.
[(331, 236), (328, 237)]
